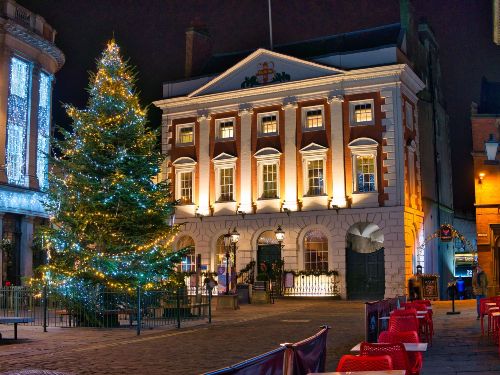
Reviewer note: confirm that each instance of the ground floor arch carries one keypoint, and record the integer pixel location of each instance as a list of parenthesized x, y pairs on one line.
[(365, 262)]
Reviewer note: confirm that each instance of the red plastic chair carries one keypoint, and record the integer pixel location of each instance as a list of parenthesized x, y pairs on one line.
[(414, 358), (365, 363), (483, 310), (405, 312), (397, 352), (404, 323)]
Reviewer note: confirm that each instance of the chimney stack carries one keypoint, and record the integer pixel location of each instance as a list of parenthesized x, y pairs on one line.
[(198, 48)]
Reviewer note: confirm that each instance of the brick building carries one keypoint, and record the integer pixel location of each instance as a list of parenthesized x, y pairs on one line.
[(28, 61), (485, 134)]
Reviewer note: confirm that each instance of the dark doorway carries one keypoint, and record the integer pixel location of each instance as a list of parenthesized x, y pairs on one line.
[(268, 253), (11, 257), (365, 275)]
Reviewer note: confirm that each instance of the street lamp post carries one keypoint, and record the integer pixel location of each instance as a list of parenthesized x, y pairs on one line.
[(227, 247), (235, 237), (280, 236)]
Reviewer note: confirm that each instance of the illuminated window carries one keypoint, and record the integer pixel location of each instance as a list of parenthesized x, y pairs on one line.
[(220, 253), (362, 113), (225, 129), (17, 121), (185, 134), (268, 124), (315, 251), (365, 173), (186, 181), (226, 184), (42, 165), (188, 262), (270, 181), (315, 176), (313, 119)]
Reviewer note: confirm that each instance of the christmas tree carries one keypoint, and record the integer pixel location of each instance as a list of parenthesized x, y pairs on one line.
[(110, 219)]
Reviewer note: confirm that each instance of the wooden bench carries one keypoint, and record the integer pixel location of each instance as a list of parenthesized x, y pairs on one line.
[(15, 320)]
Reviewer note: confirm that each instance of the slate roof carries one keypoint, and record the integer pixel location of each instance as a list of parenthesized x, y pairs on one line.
[(490, 98), (382, 36)]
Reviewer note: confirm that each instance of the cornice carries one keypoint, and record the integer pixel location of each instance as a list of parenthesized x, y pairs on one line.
[(34, 40), (359, 79)]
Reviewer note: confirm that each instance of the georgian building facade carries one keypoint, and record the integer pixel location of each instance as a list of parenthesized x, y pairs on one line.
[(332, 156), (28, 61)]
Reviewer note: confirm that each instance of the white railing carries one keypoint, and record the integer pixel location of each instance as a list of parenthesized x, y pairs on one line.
[(310, 285)]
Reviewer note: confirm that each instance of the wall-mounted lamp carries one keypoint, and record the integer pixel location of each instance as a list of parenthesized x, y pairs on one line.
[(242, 213), (481, 177), (491, 148)]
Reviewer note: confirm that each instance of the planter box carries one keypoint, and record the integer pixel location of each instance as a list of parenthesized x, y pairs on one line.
[(227, 302), (260, 296)]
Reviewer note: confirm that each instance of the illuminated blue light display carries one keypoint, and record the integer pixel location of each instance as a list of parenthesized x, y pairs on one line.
[(17, 121), (42, 165)]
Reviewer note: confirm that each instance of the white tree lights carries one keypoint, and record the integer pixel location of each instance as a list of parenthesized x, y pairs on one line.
[(17, 121)]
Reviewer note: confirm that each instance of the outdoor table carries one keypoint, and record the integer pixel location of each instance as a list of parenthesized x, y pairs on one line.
[(388, 317), (15, 320), (379, 372), (409, 346), (490, 304)]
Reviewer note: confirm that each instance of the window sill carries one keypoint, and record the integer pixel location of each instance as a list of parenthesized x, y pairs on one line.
[(231, 201), (315, 195), (307, 130), (224, 139), (362, 123), (263, 135)]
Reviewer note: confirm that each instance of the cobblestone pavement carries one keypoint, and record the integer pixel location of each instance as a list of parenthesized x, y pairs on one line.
[(234, 336)]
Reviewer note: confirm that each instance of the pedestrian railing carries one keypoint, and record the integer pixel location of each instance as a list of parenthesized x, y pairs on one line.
[(107, 309)]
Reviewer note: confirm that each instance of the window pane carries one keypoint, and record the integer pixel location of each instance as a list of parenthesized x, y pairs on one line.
[(315, 177), (226, 184), (270, 181), (363, 112), (186, 187), (186, 134), (269, 125), (188, 262), (365, 173), (226, 129), (315, 251), (314, 119)]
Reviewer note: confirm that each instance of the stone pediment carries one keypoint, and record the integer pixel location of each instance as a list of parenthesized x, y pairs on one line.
[(184, 161), (313, 147), (267, 152), (222, 157), (263, 68)]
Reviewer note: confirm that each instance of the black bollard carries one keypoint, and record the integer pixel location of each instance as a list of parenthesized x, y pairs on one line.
[(451, 292)]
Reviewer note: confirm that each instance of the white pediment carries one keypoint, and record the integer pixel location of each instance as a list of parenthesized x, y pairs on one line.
[(184, 161), (262, 68), (313, 147), (267, 152), (222, 157), (363, 143)]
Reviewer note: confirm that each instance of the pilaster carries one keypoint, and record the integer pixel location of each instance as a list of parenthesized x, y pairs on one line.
[(337, 151), (290, 201), (204, 165), (246, 160)]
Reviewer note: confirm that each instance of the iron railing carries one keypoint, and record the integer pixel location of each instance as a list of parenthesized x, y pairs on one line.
[(109, 309)]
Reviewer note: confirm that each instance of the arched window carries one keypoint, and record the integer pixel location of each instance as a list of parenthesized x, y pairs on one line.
[(267, 238), (315, 251), (220, 252), (188, 262)]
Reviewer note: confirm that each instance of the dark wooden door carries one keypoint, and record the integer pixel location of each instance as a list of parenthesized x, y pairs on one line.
[(268, 253), (365, 275)]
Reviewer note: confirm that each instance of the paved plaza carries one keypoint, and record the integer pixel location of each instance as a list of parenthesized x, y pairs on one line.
[(234, 336)]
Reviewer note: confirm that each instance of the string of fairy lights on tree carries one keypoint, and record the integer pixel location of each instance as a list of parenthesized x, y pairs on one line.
[(110, 219)]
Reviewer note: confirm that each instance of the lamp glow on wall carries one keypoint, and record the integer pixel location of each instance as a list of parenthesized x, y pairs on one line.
[(481, 177), (491, 148)]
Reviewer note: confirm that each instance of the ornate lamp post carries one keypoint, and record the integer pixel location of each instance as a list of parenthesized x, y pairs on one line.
[(491, 148), (280, 236), (227, 247), (235, 237)]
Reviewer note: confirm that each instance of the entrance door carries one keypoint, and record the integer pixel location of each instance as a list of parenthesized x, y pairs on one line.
[(365, 275), (268, 253)]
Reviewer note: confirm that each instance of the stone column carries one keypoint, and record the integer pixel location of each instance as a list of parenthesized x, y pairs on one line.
[(246, 160), (5, 57), (26, 252), (290, 152), (204, 165), (337, 150), (32, 147)]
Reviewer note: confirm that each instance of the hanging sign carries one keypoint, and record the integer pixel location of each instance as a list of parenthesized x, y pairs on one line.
[(445, 233)]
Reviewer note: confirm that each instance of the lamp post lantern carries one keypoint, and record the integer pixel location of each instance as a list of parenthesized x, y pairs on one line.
[(235, 237), (491, 148)]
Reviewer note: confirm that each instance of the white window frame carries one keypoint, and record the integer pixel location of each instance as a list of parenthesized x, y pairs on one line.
[(184, 165), (218, 122), (352, 117), (178, 128), (259, 123), (409, 116), (224, 161), (304, 117), (267, 156), (363, 147), (309, 153)]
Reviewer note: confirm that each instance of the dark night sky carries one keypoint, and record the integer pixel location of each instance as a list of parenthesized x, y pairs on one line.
[(151, 34)]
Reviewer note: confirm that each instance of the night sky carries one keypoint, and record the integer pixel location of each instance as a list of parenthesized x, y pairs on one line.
[(151, 34)]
